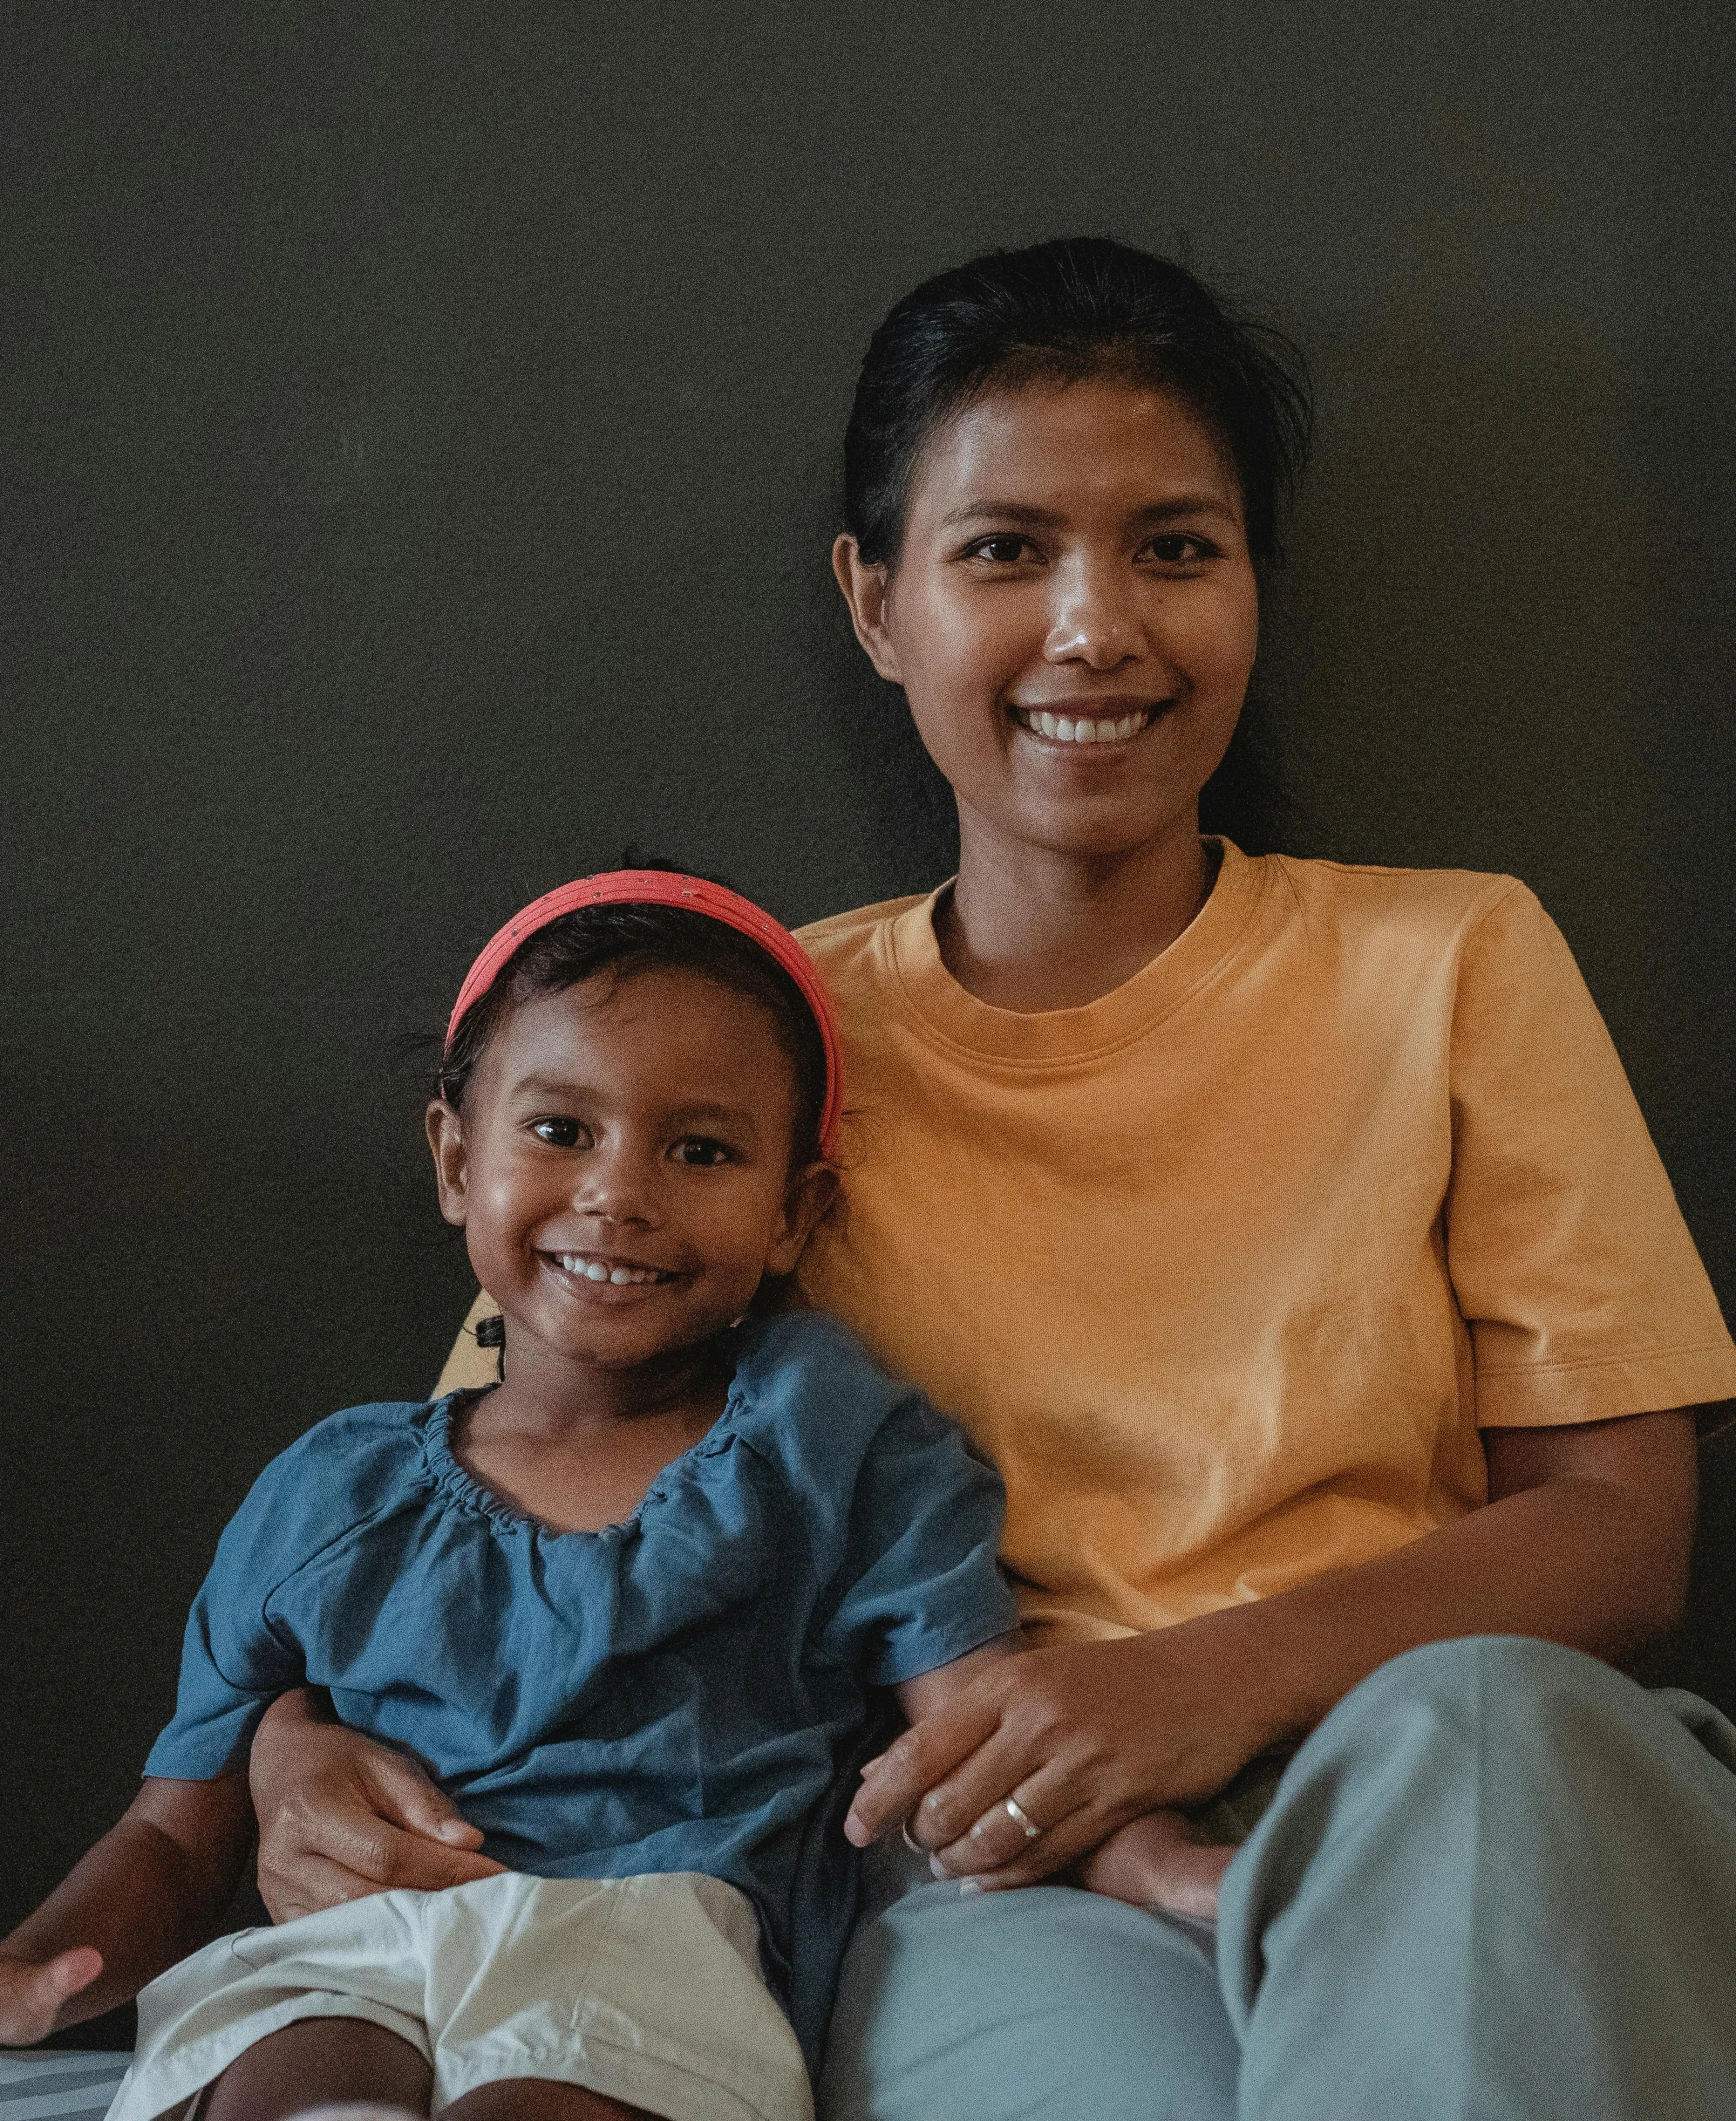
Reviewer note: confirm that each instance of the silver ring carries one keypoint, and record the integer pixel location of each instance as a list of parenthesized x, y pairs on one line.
[(1022, 1819), (910, 1842)]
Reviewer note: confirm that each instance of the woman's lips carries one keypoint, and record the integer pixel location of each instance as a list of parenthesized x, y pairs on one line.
[(1084, 724)]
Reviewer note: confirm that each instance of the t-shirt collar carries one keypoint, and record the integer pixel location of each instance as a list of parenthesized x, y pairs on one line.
[(956, 1017)]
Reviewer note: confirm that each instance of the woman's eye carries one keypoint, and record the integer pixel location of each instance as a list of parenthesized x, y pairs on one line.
[(1180, 548), (560, 1133), (701, 1149), (1004, 549)]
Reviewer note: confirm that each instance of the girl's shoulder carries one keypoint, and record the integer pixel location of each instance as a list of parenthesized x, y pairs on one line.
[(810, 1396), (353, 1466)]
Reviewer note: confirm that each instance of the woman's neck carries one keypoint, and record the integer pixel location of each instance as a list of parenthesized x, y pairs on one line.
[(1029, 930)]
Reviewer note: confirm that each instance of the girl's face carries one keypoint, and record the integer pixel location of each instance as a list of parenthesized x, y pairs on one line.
[(1072, 616), (621, 1165)]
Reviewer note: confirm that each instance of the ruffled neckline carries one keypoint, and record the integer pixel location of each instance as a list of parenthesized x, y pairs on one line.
[(460, 1490)]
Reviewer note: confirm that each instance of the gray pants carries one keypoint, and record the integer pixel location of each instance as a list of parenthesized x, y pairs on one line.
[(1497, 1884)]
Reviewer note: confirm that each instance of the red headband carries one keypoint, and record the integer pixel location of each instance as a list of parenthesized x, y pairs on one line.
[(664, 887)]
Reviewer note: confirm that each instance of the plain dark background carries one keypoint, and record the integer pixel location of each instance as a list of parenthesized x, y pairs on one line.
[(420, 450)]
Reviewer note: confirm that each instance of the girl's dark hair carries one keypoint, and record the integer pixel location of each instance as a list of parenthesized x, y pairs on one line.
[(1057, 313), (624, 940)]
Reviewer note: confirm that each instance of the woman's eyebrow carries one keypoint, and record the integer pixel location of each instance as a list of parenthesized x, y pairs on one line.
[(1165, 511)]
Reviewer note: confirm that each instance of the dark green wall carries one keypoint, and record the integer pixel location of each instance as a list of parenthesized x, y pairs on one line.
[(419, 445)]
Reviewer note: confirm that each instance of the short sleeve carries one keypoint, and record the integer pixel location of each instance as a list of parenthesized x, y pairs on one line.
[(233, 1663), (921, 1582), (1574, 1270)]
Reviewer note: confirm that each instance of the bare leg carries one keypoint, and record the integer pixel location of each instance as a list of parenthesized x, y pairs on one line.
[(538, 2099), (321, 2062)]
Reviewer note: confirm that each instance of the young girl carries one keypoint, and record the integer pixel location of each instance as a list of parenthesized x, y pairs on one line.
[(1289, 1236), (627, 1606)]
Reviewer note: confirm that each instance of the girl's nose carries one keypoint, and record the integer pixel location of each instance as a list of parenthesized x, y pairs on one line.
[(1095, 621), (616, 1186)]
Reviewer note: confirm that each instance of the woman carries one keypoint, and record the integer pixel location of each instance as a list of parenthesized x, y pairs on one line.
[(1288, 1235)]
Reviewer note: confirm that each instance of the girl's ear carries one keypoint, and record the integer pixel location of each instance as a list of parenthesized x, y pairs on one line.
[(864, 585), (810, 1195), (451, 1165)]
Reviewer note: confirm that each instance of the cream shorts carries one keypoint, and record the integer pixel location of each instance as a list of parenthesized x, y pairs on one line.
[(645, 1989)]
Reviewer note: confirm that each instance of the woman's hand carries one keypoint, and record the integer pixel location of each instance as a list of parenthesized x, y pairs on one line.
[(1080, 1739), (341, 1817)]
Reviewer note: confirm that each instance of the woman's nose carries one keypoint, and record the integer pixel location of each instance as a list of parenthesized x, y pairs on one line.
[(1095, 621)]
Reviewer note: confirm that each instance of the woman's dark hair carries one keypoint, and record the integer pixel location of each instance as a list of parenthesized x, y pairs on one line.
[(629, 939), (1057, 313)]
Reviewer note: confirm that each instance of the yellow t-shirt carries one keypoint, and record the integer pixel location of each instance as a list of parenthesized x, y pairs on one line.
[(1226, 1269)]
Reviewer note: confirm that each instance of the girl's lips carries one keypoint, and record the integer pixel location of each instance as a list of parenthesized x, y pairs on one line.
[(1085, 725), (602, 1270)]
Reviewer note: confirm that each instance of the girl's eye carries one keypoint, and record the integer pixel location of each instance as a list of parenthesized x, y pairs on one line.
[(560, 1133), (701, 1149), (1005, 549)]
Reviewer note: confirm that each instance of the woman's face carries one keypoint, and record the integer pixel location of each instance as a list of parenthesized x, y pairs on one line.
[(1072, 616)]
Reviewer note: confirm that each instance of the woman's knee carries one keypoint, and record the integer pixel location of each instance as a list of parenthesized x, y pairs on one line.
[(1042, 2001)]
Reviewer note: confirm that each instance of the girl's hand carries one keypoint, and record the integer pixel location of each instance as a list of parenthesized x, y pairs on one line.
[(1081, 1739), (1162, 1862), (31, 1994), (341, 1817)]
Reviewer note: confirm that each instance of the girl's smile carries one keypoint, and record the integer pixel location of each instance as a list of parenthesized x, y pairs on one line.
[(622, 1168)]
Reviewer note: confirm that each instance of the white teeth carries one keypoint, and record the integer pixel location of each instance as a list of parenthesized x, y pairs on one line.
[(594, 1270), (1066, 729)]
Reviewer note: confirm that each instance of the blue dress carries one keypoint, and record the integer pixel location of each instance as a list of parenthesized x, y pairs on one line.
[(678, 1692)]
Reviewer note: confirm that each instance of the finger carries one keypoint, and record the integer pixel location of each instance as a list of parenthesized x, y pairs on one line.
[(1056, 1850), (1006, 1832), (393, 1857), (926, 1753), (411, 1799), (1006, 1761), (36, 1998)]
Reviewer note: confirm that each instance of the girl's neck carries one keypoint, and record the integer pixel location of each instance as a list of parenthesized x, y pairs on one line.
[(1030, 930), (548, 1395)]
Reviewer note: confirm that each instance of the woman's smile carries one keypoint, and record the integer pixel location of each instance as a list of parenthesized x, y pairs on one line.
[(1058, 723)]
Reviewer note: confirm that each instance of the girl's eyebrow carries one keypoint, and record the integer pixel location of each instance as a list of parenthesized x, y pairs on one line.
[(534, 1086)]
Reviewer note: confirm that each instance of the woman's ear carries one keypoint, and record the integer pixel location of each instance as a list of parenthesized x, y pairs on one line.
[(811, 1192), (451, 1165), (864, 585)]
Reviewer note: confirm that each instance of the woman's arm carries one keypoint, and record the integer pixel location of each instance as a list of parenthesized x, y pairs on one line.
[(152, 1890), (341, 1817), (1585, 1541)]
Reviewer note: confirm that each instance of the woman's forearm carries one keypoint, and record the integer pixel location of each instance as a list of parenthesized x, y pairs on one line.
[(1595, 1556)]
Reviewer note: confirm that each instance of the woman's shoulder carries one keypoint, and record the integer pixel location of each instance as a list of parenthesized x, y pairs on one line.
[(1378, 904), (845, 942)]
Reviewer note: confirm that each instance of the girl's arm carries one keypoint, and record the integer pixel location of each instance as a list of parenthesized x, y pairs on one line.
[(1585, 1541), (152, 1890)]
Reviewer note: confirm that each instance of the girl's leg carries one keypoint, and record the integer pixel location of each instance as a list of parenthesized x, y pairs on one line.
[(538, 2099), (1043, 2005), (320, 2062), (1499, 1881)]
